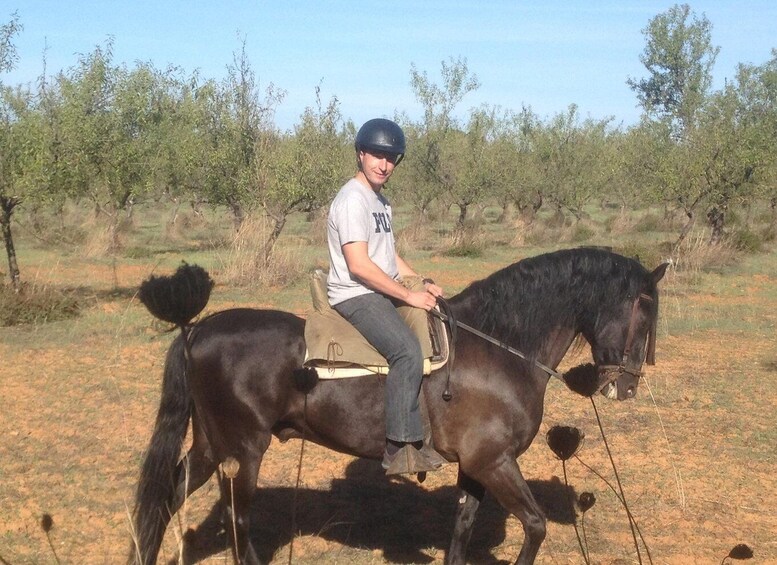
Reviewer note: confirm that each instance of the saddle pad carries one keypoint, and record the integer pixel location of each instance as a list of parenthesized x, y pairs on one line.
[(337, 350)]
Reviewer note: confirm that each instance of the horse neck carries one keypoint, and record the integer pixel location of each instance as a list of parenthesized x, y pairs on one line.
[(555, 347), (502, 320)]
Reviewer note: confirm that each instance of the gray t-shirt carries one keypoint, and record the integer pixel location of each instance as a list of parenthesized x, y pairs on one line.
[(358, 213)]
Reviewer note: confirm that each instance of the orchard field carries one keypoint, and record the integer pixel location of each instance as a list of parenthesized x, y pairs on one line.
[(695, 450)]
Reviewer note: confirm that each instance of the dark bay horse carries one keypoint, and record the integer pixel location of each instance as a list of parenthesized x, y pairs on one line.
[(238, 376)]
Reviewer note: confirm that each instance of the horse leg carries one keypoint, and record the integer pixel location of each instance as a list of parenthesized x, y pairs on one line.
[(195, 468), (506, 483), (237, 492), (470, 498)]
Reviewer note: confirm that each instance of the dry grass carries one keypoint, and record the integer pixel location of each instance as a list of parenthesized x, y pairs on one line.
[(244, 264), (696, 255), (695, 451)]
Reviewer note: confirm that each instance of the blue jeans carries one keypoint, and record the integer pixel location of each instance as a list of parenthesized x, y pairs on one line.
[(376, 318)]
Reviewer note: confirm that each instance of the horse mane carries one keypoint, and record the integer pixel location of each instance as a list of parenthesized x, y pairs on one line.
[(522, 303)]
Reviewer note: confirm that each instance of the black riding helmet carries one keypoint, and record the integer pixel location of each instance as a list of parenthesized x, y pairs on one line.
[(383, 136)]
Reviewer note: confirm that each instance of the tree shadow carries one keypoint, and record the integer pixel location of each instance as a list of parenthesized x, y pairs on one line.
[(367, 510)]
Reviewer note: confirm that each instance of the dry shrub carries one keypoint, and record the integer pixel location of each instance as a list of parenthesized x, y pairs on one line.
[(744, 239), (576, 233), (581, 231), (191, 228), (466, 241), (650, 255), (696, 254), (522, 230), (316, 227), (619, 224), (244, 263), (416, 235), (180, 229), (104, 238), (61, 226), (536, 233), (34, 304)]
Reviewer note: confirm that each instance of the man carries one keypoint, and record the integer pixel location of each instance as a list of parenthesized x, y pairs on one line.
[(364, 285)]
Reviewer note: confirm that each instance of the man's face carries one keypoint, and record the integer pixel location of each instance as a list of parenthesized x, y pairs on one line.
[(377, 167)]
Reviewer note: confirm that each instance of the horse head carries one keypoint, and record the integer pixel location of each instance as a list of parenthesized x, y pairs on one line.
[(623, 341)]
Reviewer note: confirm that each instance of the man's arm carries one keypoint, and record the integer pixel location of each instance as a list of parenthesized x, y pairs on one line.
[(361, 266)]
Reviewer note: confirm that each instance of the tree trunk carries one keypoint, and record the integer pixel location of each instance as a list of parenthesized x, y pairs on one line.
[(7, 205), (238, 215), (684, 233), (269, 246), (506, 215), (717, 219), (463, 209), (174, 214)]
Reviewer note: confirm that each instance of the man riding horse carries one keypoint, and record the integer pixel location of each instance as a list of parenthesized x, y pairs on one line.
[(364, 287)]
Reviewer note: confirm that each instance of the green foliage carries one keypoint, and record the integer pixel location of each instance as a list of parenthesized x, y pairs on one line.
[(434, 156), (679, 57), (649, 254), (8, 54), (34, 304), (582, 232), (745, 240), (469, 249), (118, 136)]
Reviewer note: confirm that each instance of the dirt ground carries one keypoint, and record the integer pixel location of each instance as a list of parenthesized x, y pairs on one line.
[(695, 452)]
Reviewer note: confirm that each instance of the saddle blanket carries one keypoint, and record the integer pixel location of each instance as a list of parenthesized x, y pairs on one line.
[(336, 350)]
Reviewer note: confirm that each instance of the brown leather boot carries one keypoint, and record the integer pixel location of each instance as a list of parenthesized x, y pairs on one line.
[(409, 459)]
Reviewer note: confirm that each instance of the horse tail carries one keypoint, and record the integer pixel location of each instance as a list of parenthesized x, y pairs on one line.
[(176, 299), (158, 480)]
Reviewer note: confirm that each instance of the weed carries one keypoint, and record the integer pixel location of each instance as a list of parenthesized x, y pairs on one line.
[(650, 255), (648, 223), (35, 304), (246, 265), (745, 240), (581, 232), (696, 254)]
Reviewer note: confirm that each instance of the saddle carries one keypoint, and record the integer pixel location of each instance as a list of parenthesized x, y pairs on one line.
[(336, 349)]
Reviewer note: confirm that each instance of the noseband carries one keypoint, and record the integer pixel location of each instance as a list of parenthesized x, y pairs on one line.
[(612, 372)]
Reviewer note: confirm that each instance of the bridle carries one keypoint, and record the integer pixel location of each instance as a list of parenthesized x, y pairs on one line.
[(611, 373)]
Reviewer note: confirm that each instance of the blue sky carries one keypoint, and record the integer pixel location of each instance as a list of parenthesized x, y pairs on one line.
[(545, 55)]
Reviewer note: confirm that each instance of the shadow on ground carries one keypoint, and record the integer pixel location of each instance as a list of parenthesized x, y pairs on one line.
[(367, 511)]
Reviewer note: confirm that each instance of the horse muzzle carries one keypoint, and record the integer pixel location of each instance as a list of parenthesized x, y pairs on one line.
[(616, 382)]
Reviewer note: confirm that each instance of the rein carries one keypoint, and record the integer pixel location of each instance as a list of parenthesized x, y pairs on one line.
[(453, 323), (446, 315)]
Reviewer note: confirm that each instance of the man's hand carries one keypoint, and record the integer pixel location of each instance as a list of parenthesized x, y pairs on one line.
[(423, 299), (433, 289)]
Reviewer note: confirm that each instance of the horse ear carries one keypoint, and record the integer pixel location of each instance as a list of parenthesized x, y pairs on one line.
[(659, 272)]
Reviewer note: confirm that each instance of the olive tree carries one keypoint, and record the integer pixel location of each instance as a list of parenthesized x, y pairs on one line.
[(679, 57), (236, 116), (519, 183), (438, 130), (300, 172), (12, 150), (737, 133), (572, 160)]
